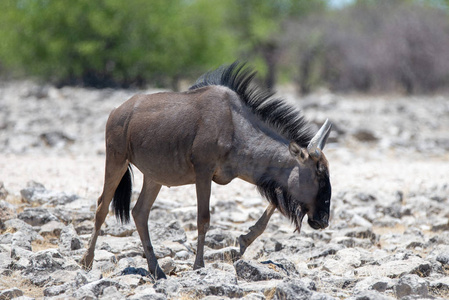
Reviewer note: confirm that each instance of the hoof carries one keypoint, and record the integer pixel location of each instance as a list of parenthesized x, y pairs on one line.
[(86, 262), (198, 266), (159, 274)]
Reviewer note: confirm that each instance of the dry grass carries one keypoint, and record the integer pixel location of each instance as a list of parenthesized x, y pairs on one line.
[(14, 199), (398, 228), (188, 296), (38, 245), (439, 292), (15, 280), (269, 294), (7, 230)]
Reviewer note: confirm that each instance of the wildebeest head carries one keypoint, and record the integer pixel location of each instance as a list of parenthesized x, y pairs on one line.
[(309, 188)]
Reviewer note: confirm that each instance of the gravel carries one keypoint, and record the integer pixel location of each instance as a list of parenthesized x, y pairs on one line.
[(387, 237)]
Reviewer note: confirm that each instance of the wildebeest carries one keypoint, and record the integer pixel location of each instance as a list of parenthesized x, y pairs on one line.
[(222, 128)]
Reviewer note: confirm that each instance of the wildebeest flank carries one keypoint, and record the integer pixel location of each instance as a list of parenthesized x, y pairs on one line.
[(223, 128)]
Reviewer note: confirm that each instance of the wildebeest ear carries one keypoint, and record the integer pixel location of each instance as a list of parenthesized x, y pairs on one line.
[(295, 150)]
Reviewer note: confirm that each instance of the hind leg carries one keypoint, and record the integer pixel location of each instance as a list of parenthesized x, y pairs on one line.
[(114, 172), (141, 212)]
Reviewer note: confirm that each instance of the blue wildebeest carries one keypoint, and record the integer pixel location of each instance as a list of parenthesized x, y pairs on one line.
[(222, 128)]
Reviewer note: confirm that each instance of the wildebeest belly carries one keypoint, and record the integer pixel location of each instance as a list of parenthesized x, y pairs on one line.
[(161, 148), (165, 164)]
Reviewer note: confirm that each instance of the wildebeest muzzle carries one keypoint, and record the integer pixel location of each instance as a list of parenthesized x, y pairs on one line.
[(319, 221)]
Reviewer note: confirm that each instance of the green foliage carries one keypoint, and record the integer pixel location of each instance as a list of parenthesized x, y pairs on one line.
[(107, 42), (261, 25), (368, 45)]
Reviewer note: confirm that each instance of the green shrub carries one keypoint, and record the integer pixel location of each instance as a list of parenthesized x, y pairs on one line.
[(113, 42)]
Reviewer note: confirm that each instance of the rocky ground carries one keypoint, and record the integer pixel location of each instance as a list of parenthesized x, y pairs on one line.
[(388, 236)]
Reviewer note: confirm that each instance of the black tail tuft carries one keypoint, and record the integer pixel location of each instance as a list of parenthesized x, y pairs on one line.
[(122, 197)]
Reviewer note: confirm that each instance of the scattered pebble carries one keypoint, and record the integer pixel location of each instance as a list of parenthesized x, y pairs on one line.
[(387, 237)]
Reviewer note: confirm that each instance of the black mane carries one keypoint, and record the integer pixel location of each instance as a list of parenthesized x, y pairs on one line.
[(279, 196), (286, 119)]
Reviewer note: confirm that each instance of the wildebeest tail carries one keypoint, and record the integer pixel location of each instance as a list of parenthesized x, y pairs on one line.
[(122, 197)]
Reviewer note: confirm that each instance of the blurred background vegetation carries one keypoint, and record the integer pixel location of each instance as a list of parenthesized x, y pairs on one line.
[(375, 46)]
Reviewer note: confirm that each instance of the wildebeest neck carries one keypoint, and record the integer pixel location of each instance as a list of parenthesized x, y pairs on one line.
[(259, 151), (263, 158)]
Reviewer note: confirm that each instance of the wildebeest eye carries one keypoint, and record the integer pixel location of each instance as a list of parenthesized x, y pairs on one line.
[(320, 168)]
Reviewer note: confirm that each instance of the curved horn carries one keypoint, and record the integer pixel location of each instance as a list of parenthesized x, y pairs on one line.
[(319, 140)]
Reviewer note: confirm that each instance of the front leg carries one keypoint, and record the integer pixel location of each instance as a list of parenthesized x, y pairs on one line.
[(203, 188), (256, 230)]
